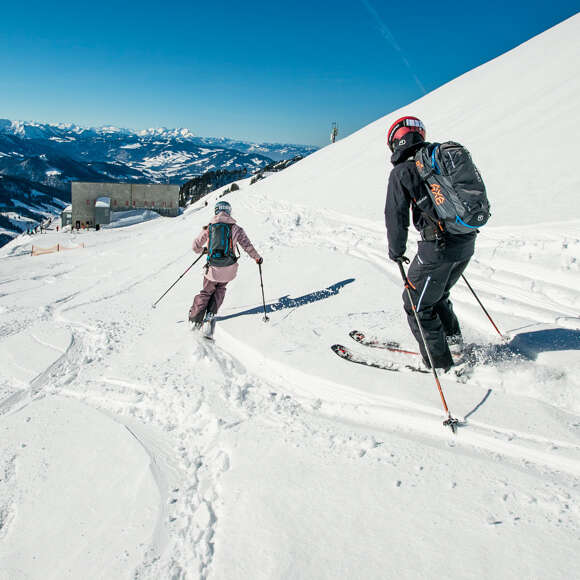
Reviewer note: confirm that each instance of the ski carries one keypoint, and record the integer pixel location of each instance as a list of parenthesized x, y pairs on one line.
[(346, 354), (390, 345)]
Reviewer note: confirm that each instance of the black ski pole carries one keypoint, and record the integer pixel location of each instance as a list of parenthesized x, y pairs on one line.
[(450, 421), (483, 307), (178, 279), (265, 319)]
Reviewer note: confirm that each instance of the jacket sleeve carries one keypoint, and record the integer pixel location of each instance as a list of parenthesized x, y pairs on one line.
[(244, 241), (201, 240), (397, 216)]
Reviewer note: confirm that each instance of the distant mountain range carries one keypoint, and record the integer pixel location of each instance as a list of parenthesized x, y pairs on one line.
[(39, 160)]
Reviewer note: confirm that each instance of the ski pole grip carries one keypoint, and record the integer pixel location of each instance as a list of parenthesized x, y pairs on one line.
[(402, 270)]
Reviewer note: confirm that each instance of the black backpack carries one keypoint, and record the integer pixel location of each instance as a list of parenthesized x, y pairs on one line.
[(455, 186), (220, 250)]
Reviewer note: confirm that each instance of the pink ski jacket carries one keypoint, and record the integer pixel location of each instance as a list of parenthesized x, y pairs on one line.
[(239, 237)]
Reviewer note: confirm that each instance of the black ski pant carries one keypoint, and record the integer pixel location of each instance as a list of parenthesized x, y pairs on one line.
[(429, 285)]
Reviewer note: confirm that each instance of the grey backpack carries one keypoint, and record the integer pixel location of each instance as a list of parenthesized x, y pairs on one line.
[(454, 185)]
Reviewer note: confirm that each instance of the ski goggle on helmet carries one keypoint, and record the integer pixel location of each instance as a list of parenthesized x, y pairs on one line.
[(223, 206), (403, 126)]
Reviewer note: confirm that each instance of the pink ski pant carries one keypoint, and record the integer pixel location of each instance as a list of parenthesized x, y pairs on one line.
[(211, 291)]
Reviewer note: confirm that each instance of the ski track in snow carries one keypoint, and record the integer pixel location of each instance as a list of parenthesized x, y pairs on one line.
[(7, 492), (196, 394), (229, 391), (545, 293)]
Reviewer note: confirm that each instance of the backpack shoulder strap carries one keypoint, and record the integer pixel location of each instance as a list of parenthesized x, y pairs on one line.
[(425, 160), (436, 223), (424, 163)]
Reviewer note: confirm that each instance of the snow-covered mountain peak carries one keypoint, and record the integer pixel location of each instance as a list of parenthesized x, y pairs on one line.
[(164, 132)]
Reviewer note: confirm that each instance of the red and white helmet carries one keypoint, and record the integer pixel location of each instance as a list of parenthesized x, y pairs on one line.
[(403, 126)]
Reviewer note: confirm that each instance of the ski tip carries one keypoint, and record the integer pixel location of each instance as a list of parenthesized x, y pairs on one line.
[(356, 334), (340, 350)]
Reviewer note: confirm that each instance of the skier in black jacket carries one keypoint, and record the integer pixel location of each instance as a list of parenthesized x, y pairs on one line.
[(441, 257)]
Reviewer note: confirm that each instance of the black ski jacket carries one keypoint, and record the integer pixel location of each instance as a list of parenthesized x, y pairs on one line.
[(404, 186)]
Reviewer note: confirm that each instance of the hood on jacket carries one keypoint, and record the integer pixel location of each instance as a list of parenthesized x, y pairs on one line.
[(223, 217), (406, 147)]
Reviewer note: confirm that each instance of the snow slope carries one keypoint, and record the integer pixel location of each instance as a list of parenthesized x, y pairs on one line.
[(518, 114), (132, 448)]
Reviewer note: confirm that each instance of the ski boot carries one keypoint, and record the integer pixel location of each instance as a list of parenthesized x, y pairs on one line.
[(196, 319), (208, 325), (455, 344)]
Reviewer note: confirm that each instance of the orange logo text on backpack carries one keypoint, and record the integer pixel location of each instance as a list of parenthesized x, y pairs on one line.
[(437, 195), (419, 164)]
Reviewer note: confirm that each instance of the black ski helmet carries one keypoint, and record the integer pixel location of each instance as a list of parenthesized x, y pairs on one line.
[(403, 126)]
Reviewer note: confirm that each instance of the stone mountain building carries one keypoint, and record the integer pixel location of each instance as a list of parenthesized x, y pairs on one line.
[(87, 200)]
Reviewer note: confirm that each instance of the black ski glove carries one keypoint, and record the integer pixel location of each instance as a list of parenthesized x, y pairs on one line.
[(259, 260)]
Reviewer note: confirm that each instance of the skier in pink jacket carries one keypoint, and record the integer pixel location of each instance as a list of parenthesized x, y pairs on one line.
[(219, 239)]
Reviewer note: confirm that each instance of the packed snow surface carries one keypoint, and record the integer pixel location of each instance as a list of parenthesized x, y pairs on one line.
[(134, 448)]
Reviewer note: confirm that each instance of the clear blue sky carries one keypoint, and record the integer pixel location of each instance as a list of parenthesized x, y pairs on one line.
[(257, 70)]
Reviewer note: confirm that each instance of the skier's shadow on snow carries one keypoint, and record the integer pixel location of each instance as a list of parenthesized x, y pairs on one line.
[(531, 344), (528, 345), (287, 302)]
